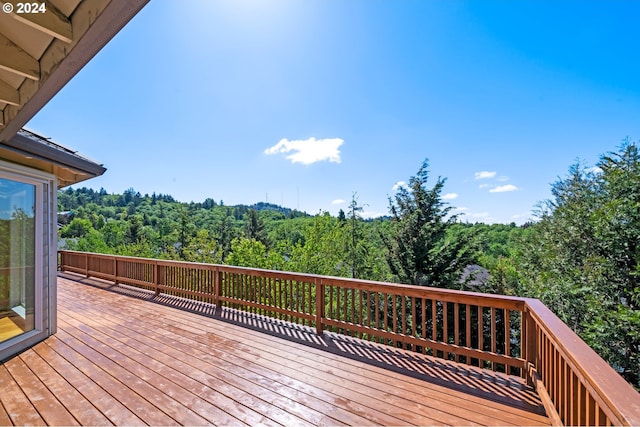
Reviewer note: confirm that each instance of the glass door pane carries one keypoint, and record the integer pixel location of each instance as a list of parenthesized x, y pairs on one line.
[(17, 258)]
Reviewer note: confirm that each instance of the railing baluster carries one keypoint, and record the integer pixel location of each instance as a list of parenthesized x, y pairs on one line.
[(548, 356), (434, 322), (468, 329), (494, 337), (403, 326), (456, 328), (480, 334)]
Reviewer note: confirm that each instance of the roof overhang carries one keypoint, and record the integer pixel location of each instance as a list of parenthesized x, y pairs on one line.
[(41, 52), (30, 149)]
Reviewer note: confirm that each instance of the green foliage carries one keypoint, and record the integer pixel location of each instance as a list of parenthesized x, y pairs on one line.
[(582, 258), (253, 253), (77, 228), (419, 250), (322, 249), (202, 248), (254, 227)]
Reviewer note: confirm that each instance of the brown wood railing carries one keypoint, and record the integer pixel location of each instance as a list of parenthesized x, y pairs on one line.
[(518, 336)]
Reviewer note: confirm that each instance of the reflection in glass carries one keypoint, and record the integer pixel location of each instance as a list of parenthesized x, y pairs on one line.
[(17, 258)]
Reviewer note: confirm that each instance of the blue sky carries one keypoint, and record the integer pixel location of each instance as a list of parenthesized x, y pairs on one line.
[(305, 103)]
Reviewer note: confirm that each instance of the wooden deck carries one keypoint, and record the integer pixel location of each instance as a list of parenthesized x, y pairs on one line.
[(122, 356)]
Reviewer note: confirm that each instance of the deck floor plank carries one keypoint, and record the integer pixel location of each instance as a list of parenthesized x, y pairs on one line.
[(120, 359), (116, 412), (380, 406), (118, 390), (16, 403), (5, 420), (81, 408), (203, 397), (438, 408), (47, 405), (178, 371), (237, 376)]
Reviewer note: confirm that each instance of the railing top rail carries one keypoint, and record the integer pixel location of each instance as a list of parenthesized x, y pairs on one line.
[(451, 295), (613, 394), (616, 393)]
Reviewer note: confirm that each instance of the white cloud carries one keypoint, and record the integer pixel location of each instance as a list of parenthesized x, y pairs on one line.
[(371, 214), (399, 184), (503, 188), (483, 185), (450, 196), (338, 202), (308, 151), (594, 170), (460, 209), (484, 175), (480, 215), (503, 178)]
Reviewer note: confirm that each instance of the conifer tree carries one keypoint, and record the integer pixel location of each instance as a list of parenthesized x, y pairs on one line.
[(418, 250)]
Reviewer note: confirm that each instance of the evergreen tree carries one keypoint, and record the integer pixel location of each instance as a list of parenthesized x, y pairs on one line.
[(355, 248), (419, 251), (254, 227), (582, 259)]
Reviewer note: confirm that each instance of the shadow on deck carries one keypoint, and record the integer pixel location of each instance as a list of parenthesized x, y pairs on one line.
[(486, 385)]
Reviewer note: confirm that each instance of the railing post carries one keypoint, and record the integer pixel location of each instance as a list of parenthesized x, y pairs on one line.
[(156, 277), (217, 285), (115, 270), (319, 305), (86, 264), (530, 350)]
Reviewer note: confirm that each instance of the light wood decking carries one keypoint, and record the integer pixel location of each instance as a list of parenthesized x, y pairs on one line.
[(122, 356)]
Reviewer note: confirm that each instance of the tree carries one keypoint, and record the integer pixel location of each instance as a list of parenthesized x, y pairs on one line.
[(254, 227), (321, 251), (356, 250), (202, 248), (78, 227), (186, 230), (418, 248), (225, 235), (253, 253), (582, 260)]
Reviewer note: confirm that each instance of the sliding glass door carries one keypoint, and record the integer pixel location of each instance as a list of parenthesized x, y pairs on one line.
[(17, 257), (27, 257)]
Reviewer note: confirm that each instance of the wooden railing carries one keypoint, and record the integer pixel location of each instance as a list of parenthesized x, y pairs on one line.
[(517, 336)]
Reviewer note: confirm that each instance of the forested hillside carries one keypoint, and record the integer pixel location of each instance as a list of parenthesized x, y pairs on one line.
[(580, 257)]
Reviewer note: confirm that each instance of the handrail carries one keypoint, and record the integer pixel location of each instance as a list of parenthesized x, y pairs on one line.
[(517, 336), (583, 387)]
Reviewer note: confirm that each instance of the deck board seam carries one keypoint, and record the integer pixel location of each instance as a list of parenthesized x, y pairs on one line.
[(82, 285), (86, 381), (116, 350), (188, 341), (25, 356), (160, 343), (134, 333), (157, 395), (59, 345)]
